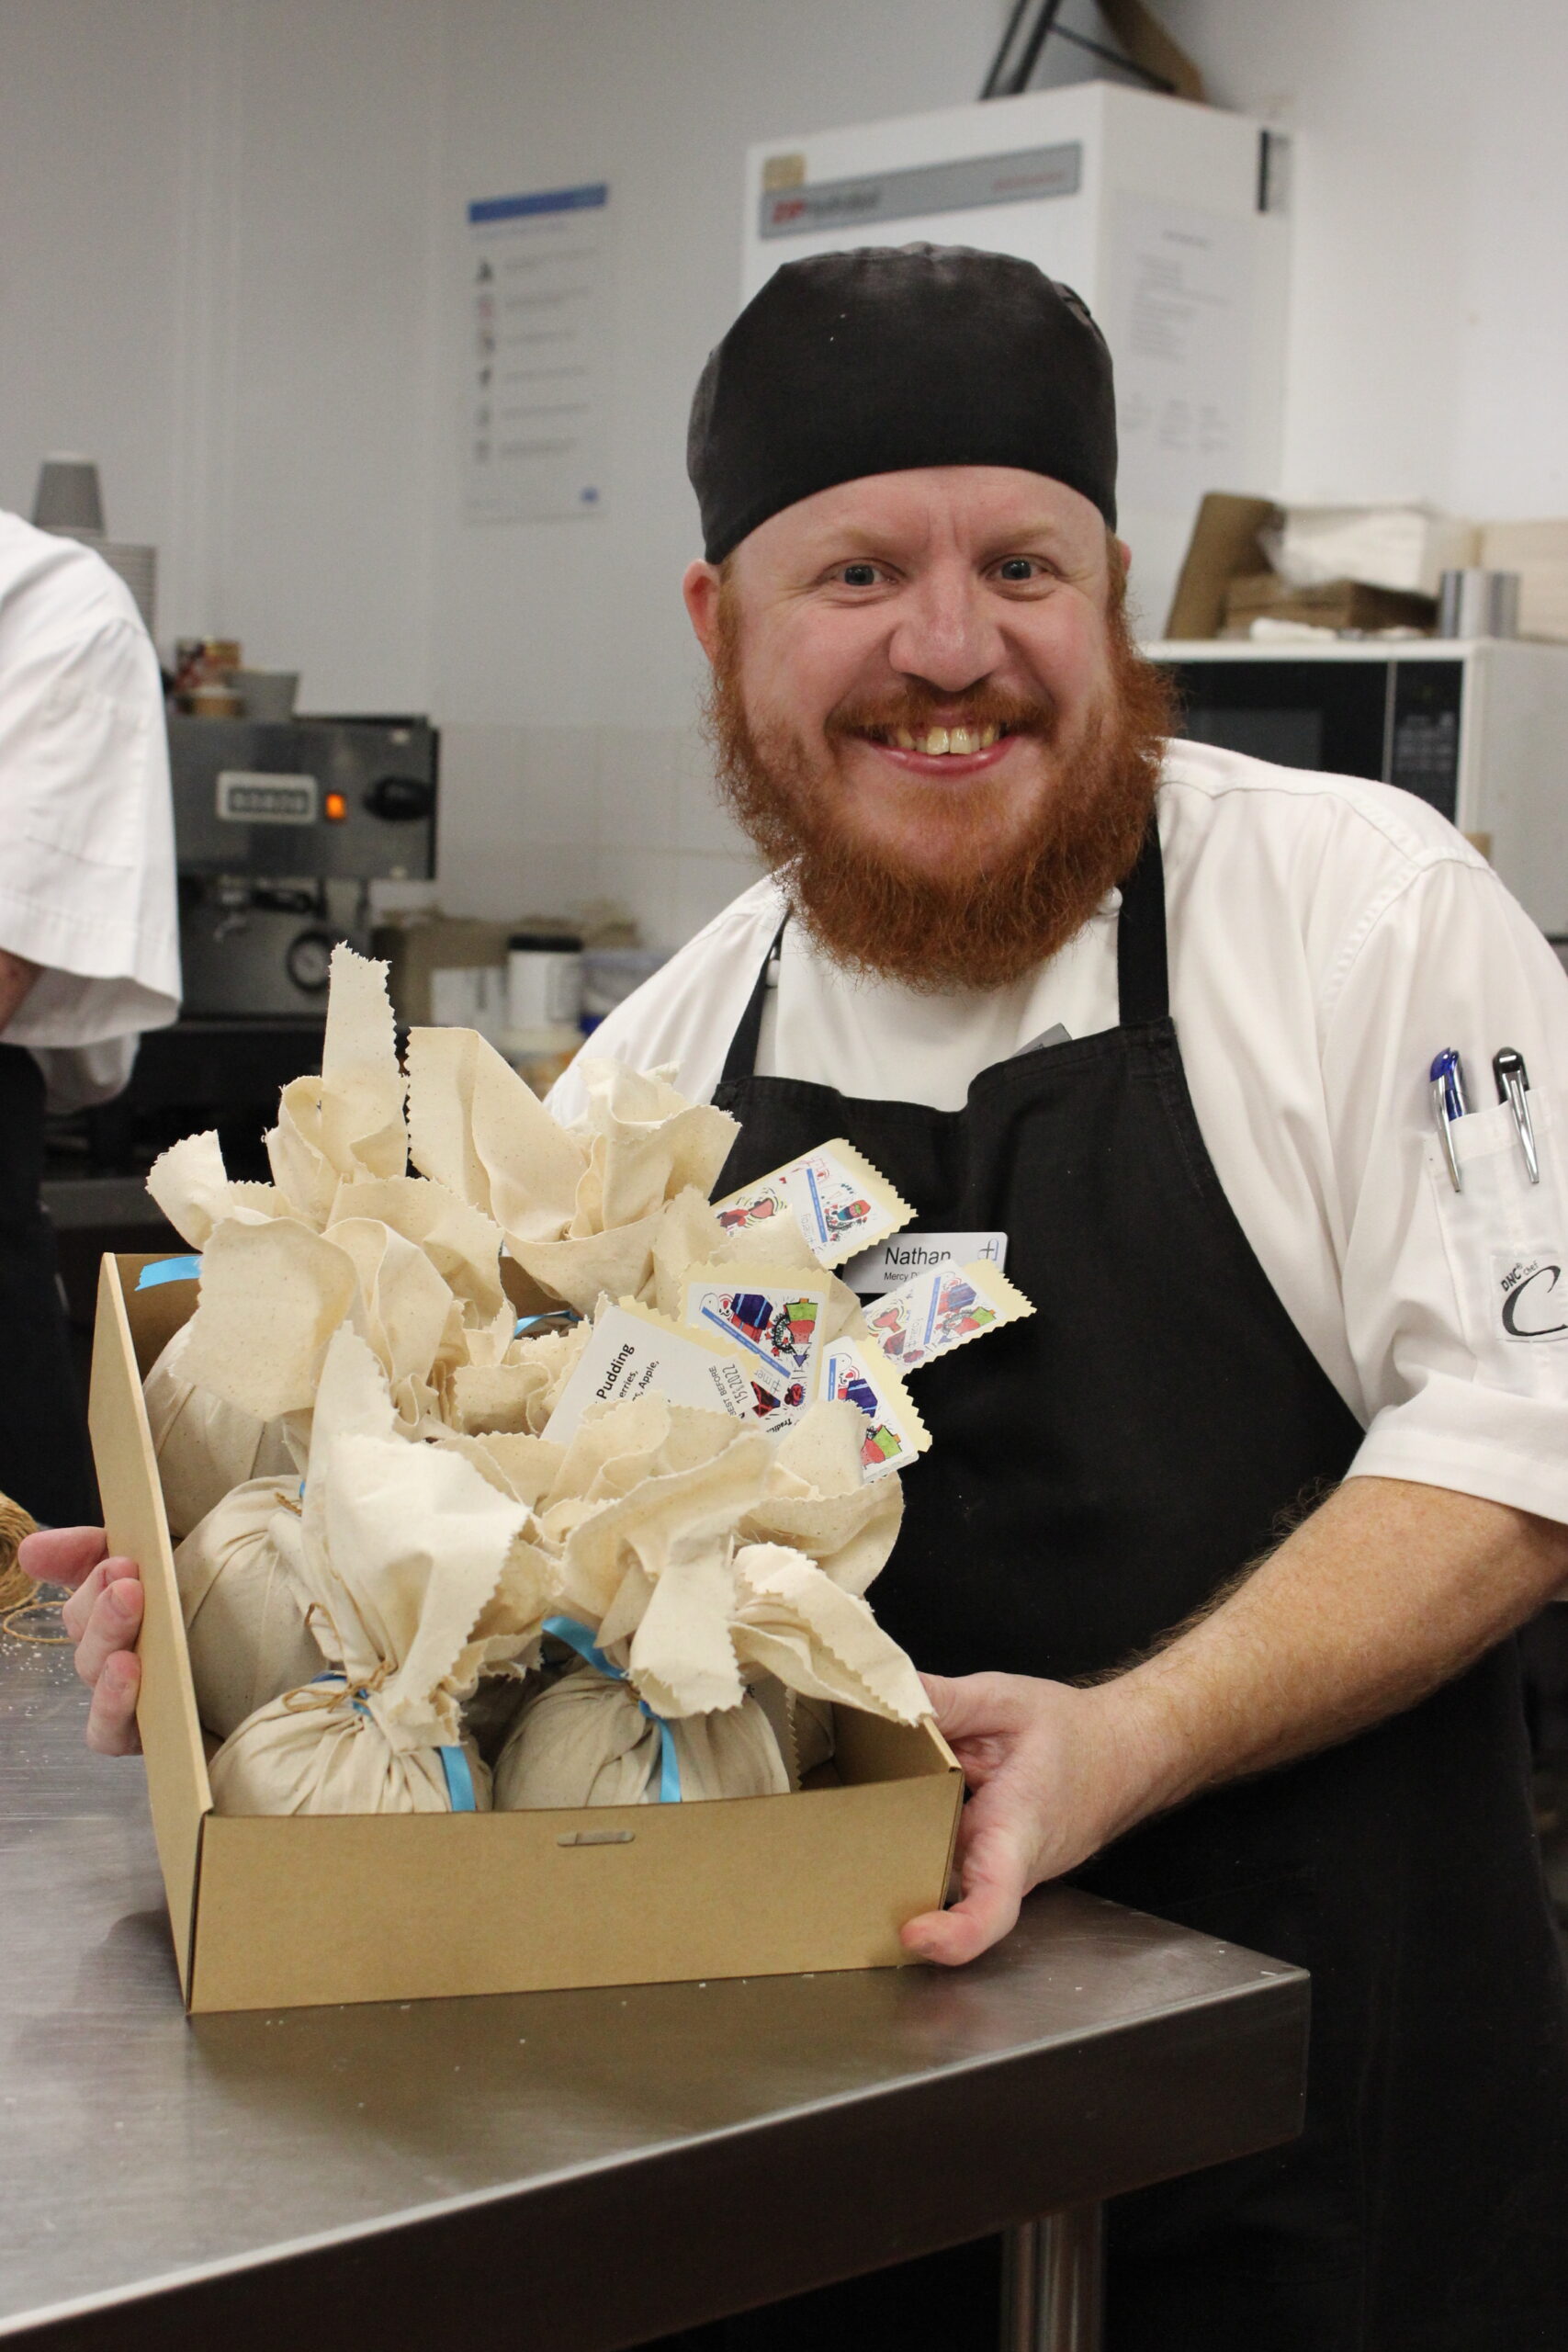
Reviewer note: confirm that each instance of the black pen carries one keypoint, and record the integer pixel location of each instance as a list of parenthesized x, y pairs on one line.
[(1512, 1088)]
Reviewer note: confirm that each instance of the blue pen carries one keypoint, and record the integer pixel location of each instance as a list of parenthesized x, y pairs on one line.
[(1449, 1104)]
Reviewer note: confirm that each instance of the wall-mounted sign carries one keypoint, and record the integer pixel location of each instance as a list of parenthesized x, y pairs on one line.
[(535, 328), (1181, 325)]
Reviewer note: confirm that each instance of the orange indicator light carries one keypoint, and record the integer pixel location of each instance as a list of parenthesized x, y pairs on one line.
[(335, 807)]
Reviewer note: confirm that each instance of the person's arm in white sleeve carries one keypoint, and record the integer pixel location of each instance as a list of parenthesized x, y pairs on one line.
[(88, 889), (1454, 1398)]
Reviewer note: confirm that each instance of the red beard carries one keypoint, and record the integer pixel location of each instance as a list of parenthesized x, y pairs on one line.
[(981, 921)]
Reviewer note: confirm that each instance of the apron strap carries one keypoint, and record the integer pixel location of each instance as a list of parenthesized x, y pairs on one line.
[(1141, 982), (740, 1061)]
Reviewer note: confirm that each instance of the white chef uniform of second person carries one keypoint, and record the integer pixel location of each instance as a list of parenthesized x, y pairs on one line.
[(86, 892), (1327, 937)]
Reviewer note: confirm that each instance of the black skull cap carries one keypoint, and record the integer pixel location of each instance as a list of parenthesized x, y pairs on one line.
[(874, 361)]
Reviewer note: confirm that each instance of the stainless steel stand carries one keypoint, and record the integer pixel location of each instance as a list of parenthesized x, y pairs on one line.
[(1051, 2282), (252, 2175)]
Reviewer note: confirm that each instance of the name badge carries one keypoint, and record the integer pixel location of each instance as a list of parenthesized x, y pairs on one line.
[(894, 1260)]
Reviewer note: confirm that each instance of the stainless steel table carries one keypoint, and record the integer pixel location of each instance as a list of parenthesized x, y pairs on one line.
[(575, 2171)]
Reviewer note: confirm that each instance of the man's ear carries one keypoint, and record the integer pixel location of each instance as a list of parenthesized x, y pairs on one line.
[(699, 588), (1126, 552)]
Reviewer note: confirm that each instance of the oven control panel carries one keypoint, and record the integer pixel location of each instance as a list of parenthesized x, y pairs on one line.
[(306, 799)]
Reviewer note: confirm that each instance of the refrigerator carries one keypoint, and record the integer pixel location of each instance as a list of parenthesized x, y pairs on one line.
[(1170, 219)]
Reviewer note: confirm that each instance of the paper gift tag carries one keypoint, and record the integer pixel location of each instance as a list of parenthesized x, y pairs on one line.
[(633, 1351), (835, 1196), (942, 1310), (856, 1373), (770, 1314)]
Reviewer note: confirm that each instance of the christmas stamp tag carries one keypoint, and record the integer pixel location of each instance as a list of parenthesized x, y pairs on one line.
[(774, 1317), (942, 1310), (837, 1198), (774, 1320), (857, 1373)]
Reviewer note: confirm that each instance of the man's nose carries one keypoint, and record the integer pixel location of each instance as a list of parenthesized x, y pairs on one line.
[(944, 634)]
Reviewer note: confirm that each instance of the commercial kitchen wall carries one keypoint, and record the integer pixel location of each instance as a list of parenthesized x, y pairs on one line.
[(231, 264), (216, 217), (564, 645), (1429, 336)]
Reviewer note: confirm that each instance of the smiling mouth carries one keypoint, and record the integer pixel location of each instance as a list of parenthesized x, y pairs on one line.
[(938, 742)]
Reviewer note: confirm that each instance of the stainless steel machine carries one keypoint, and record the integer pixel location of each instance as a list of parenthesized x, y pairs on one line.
[(279, 830)]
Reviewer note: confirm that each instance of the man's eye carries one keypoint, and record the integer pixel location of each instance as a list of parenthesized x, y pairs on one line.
[(858, 575), (1018, 568)]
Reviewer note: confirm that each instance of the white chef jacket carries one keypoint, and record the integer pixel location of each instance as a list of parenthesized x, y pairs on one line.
[(1327, 937), (86, 822)]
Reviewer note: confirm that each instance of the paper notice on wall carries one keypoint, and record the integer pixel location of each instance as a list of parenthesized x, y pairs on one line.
[(536, 323), (1181, 333)]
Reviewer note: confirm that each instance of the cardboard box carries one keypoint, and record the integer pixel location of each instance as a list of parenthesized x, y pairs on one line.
[(1538, 551), (1224, 546), (418, 948), (271, 1912), (1226, 581), (1329, 603)]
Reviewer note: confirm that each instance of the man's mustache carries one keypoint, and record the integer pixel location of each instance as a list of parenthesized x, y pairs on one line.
[(919, 707)]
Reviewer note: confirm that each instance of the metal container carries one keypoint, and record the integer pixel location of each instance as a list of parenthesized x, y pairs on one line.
[(1476, 603), (68, 497), (544, 980)]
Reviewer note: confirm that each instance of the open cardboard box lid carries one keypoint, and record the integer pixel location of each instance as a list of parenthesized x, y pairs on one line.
[(277, 1911), (1224, 548)]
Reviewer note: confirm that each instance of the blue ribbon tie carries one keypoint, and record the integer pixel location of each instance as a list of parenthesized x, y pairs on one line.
[(578, 1637), (455, 1765), (169, 1270), (459, 1780), (355, 1697)]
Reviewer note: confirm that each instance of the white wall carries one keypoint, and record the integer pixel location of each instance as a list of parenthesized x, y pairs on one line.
[(215, 218), (231, 264), (1429, 338), (563, 663)]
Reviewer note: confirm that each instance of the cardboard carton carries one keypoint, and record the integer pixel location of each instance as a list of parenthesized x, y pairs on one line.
[(1538, 551), (1328, 603), (1224, 546), (277, 1911), (417, 950)]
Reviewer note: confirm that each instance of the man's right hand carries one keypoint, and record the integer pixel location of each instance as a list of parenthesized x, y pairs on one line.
[(103, 1618)]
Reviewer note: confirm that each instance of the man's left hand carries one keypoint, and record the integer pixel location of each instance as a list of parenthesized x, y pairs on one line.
[(1388, 1589), (1043, 1796)]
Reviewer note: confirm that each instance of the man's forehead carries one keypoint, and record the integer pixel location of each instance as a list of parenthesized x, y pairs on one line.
[(963, 503)]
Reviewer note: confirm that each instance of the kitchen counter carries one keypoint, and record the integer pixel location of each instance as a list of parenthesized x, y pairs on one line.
[(602, 2166)]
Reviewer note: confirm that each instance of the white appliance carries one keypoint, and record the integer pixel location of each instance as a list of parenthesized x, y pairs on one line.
[(1168, 218), (1477, 726)]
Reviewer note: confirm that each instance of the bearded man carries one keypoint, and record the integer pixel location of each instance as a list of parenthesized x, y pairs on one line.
[(1213, 1560)]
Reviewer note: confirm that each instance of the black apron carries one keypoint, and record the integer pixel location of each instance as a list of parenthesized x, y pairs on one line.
[(1096, 1472), (43, 1453)]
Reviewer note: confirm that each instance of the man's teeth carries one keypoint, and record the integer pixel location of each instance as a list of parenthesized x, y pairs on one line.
[(938, 740)]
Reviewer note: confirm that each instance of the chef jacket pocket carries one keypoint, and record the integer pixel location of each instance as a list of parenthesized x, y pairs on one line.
[(1506, 1243), (82, 772)]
